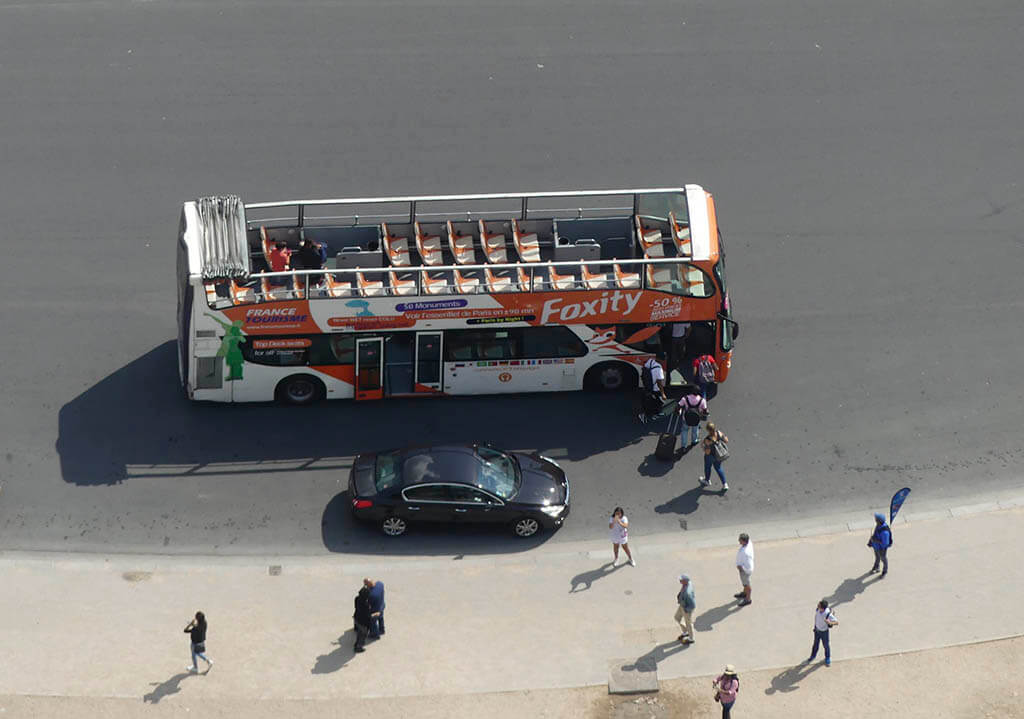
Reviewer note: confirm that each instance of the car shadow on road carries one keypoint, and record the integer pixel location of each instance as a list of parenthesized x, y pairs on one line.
[(339, 657), (166, 688), (848, 590), (706, 622), (788, 680), (589, 577)]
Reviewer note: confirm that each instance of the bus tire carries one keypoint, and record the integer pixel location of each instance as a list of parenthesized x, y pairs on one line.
[(610, 377), (300, 390)]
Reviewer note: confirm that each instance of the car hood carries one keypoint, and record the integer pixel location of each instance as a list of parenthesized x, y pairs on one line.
[(543, 482)]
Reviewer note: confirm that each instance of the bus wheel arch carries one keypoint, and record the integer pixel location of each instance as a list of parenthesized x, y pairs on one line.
[(300, 389), (611, 377)]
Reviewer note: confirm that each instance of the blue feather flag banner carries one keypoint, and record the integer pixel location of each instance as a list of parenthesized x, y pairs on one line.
[(897, 502)]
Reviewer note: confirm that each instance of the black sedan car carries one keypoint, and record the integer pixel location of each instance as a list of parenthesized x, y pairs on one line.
[(458, 483)]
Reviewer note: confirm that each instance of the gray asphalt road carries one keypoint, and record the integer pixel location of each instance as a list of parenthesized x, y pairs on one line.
[(865, 159)]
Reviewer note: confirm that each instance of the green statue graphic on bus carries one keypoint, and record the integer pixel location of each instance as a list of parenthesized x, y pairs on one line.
[(233, 336)]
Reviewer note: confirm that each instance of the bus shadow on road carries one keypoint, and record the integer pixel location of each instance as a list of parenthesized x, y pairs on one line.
[(136, 423)]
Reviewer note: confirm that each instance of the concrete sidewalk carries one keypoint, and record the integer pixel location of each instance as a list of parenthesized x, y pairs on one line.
[(104, 628)]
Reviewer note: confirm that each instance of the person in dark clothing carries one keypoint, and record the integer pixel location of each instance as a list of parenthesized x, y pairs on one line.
[(376, 588), (196, 629), (880, 541), (309, 258), (362, 618)]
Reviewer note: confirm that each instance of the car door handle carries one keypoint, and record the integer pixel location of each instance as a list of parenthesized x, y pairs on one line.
[(414, 509), (461, 510)]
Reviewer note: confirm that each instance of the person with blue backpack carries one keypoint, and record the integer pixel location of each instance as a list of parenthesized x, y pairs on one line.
[(881, 540)]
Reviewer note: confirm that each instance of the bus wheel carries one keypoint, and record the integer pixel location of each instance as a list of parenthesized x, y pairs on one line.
[(610, 377), (300, 389)]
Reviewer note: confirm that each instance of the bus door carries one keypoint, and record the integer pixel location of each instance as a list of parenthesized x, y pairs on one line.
[(369, 368), (428, 361)]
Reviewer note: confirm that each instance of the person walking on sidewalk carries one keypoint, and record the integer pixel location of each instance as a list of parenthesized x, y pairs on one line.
[(881, 540), (376, 588), (824, 619), (692, 409), (196, 629), (362, 617), (618, 526), (727, 686), (684, 613), (710, 458), (745, 565)]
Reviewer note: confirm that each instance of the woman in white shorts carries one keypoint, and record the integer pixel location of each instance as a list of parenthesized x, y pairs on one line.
[(618, 526)]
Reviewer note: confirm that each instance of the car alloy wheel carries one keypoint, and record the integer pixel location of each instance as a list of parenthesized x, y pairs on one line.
[(526, 527), (394, 526)]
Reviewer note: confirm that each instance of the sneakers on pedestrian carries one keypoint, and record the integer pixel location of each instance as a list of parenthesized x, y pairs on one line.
[(359, 649), (209, 664), (884, 573), (745, 602), (808, 660), (740, 595), (632, 562), (192, 670), (828, 662), (703, 482), (725, 486)]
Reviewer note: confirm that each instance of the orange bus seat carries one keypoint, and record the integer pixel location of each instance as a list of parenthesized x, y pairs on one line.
[(369, 288), (429, 247), (400, 286), (659, 278), (594, 280), (499, 283), (626, 280), (337, 288), (434, 285), (461, 246), (650, 239), (526, 244), (270, 292), (680, 235), (466, 285), (561, 282), (495, 247), (242, 295), (397, 247)]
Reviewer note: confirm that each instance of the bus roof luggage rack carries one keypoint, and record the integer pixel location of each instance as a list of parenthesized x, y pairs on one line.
[(223, 245)]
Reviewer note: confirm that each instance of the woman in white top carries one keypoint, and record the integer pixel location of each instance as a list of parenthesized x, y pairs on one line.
[(618, 525)]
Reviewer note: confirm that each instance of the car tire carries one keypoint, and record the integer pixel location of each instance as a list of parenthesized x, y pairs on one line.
[(394, 526), (610, 377), (525, 527), (300, 390)]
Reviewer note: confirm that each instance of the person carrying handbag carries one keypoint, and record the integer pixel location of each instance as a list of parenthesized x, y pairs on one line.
[(727, 686), (716, 451)]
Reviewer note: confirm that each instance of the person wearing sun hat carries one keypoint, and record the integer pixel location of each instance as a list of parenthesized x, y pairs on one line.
[(726, 687), (684, 613)]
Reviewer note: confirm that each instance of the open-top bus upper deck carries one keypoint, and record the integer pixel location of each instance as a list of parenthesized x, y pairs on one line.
[(540, 258)]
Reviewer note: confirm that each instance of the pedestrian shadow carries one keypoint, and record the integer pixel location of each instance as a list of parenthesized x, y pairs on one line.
[(788, 680), (657, 654), (848, 590), (706, 621), (164, 689), (335, 660), (685, 503), (589, 577)]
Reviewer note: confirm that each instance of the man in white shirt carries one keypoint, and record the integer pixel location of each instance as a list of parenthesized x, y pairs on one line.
[(680, 331), (745, 565), (653, 397), (824, 619)]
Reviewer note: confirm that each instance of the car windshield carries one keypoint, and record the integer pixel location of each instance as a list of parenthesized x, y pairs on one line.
[(498, 472)]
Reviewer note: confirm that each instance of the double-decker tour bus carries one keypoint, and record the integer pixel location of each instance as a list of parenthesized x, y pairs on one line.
[(459, 294)]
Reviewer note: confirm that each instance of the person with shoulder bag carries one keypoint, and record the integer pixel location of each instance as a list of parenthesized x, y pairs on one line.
[(196, 629), (692, 409), (716, 451), (727, 686)]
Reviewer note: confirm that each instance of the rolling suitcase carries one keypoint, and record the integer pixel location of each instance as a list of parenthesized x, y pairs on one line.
[(666, 449)]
